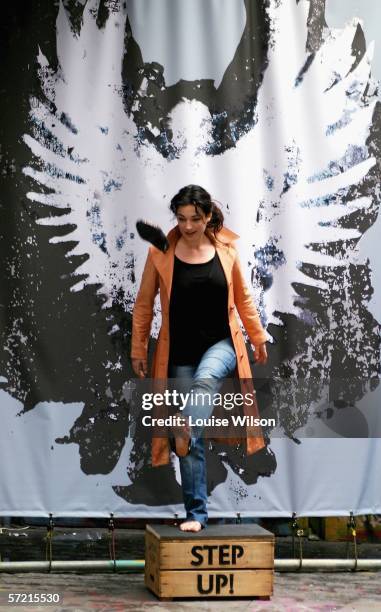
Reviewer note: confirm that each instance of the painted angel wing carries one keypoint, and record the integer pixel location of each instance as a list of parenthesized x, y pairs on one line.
[(312, 161), (92, 176), (85, 172)]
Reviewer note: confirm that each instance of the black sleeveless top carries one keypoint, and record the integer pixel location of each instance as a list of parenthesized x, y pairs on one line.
[(198, 312)]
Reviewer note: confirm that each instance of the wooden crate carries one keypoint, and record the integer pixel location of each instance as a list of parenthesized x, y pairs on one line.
[(219, 561), (368, 528)]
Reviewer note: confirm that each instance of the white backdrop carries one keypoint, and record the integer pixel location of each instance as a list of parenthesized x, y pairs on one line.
[(291, 152)]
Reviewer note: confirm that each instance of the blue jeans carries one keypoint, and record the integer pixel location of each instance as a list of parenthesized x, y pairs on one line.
[(207, 377)]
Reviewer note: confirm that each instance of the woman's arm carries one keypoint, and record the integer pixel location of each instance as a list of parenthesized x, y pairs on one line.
[(248, 312), (142, 316)]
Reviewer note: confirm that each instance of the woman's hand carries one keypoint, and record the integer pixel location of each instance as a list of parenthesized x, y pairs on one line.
[(139, 366), (260, 354)]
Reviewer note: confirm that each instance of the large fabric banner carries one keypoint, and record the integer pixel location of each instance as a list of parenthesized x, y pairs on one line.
[(108, 108)]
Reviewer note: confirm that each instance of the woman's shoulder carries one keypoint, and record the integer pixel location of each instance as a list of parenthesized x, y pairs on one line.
[(227, 237), (227, 234)]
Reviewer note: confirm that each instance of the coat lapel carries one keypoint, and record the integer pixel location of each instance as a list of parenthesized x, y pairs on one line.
[(226, 254), (164, 262), (226, 258)]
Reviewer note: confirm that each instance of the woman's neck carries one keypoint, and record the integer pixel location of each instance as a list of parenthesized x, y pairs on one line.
[(194, 245), (197, 252)]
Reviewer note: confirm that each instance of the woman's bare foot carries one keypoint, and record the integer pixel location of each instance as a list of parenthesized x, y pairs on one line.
[(191, 526)]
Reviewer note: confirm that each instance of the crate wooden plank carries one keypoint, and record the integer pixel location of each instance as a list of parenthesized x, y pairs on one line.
[(229, 532), (335, 528), (208, 554), (152, 562), (228, 583)]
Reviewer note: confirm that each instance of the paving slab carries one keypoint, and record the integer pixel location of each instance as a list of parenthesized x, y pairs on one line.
[(318, 592)]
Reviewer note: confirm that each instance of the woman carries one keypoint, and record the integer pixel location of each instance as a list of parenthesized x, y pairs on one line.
[(201, 284)]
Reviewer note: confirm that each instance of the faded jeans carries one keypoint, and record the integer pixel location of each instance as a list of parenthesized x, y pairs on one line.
[(206, 377)]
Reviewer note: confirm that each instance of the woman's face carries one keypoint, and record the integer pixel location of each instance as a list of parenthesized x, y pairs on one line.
[(192, 222)]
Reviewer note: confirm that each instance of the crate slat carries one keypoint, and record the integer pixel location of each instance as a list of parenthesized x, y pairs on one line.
[(220, 583), (216, 554)]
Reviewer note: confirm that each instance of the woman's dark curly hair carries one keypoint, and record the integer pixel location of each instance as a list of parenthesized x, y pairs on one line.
[(194, 194)]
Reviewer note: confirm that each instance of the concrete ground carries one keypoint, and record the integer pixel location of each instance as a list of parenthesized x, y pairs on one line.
[(358, 592), (101, 592)]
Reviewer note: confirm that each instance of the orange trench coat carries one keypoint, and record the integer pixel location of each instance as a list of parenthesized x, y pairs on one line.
[(157, 275)]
